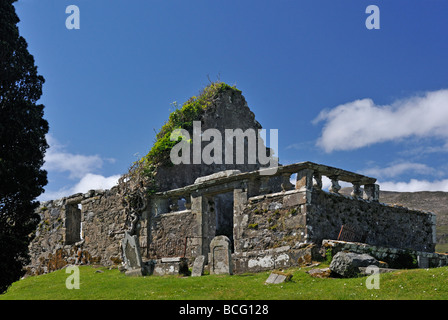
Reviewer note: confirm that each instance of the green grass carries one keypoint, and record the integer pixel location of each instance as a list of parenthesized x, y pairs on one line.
[(113, 285)]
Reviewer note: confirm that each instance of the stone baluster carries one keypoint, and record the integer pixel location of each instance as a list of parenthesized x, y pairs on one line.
[(357, 192), (286, 183), (188, 202), (264, 184), (318, 181), (335, 187), (159, 206), (174, 206), (371, 192), (304, 179)]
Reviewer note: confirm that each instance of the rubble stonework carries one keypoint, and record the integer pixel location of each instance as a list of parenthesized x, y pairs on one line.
[(96, 239)]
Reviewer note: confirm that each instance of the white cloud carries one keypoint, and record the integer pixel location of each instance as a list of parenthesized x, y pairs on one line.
[(80, 168), (59, 160), (415, 185), (94, 181), (361, 123), (53, 195), (400, 168), (89, 182)]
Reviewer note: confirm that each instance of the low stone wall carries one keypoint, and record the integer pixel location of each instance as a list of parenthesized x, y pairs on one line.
[(277, 258), (395, 258)]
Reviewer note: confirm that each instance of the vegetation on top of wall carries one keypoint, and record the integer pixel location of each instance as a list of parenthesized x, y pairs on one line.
[(182, 118), (140, 180)]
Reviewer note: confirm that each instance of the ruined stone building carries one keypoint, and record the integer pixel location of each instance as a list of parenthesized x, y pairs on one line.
[(227, 212)]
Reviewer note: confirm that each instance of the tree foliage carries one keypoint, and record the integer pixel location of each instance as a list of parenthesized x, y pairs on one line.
[(22, 147)]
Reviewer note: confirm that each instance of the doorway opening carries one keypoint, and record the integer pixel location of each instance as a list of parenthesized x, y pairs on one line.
[(223, 204)]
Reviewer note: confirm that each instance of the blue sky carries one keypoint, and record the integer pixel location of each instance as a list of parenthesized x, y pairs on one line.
[(368, 101)]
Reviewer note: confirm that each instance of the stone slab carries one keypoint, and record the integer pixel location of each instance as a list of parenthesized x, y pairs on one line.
[(131, 252), (276, 278), (423, 262), (294, 199), (362, 270), (320, 273), (217, 175), (198, 266), (134, 273), (172, 259)]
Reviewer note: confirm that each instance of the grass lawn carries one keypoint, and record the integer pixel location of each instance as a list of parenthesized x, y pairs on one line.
[(105, 284)]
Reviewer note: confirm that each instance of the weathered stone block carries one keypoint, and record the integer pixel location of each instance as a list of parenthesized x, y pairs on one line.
[(346, 264), (217, 175), (134, 273), (295, 199), (171, 266), (423, 262), (320, 273)]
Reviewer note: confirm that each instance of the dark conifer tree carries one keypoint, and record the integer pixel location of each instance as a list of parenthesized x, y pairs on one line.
[(22, 147)]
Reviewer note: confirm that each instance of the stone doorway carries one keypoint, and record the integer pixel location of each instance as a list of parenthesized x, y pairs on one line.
[(224, 215)]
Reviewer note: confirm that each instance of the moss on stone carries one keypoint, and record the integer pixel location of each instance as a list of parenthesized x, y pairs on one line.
[(144, 170), (253, 226), (182, 119)]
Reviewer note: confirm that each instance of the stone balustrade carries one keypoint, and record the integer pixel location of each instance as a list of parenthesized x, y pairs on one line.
[(309, 177)]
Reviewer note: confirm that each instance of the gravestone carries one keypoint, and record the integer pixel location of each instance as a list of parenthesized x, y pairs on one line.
[(220, 256), (198, 266), (423, 262), (131, 254), (278, 277)]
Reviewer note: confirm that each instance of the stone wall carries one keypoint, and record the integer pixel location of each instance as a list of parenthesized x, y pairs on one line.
[(383, 225), (272, 221), (169, 233), (292, 217), (286, 229), (80, 229)]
